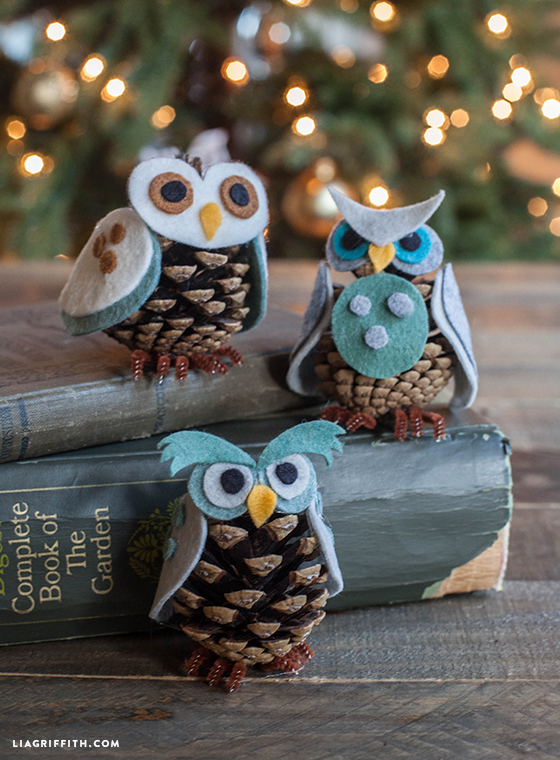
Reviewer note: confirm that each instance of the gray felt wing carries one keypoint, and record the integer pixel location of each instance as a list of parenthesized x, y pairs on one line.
[(182, 551), (301, 378), (449, 315), (324, 536)]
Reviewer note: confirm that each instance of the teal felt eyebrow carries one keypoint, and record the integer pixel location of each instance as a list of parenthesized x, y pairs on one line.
[(317, 437), (193, 447)]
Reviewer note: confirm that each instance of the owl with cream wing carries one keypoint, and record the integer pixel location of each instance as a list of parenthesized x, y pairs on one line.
[(249, 563), (384, 346), (175, 275)]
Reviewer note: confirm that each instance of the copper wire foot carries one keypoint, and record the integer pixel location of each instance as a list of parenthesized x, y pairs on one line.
[(401, 424), (162, 366), (232, 354), (181, 367), (336, 414), (437, 421), (416, 422), (218, 669), (200, 659), (209, 363), (361, 419), (138, 359), (236, 677)]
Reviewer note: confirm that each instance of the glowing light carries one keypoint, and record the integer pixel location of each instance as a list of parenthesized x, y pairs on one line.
[(113, 89), (498, 24), (537, 206), (235, 71), (555, 226), (163, 117), (512, 92), (349, 6), (544, 93), (325, 169), (435, 118), (556, 186), (459, 117), (502, 109), (92, 68), (437, 67), (279, 33), (378, 196), (55, 31), (551, 108), (48, 164), (15, 129), (517, 61), (304, 126), (295, 96), (298, 3), (521, 76), (433, 136), (343, 56), (32, 163), (383, 11), (378, 73)]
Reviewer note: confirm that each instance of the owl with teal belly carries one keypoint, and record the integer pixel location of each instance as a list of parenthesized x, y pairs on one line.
[(384, 346)]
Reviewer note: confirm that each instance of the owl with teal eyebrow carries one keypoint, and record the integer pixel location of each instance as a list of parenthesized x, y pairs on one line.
[(249, 563), (383, 347)]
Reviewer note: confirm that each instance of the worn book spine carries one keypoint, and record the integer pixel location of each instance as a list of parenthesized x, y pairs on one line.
[(81, 533), (60, 393)]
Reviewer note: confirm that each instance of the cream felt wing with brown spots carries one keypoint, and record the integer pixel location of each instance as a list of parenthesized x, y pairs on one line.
[(116, 271)]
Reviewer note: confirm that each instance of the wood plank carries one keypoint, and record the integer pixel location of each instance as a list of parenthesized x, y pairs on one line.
[(474, 720), (536, 477), (534, 552), (465, 677), (509, 634)]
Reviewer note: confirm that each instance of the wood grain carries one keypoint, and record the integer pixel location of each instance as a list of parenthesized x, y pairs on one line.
[(466, 677)]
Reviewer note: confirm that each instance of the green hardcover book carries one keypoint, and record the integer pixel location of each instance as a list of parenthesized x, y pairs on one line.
[(61, 393), (81, 533)]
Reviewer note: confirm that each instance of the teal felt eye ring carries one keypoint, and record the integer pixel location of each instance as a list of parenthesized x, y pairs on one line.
[(381, 343), (348, 244), (414, 248)]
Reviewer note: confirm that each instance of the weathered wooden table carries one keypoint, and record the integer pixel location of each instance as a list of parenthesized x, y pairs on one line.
[(474, 676)]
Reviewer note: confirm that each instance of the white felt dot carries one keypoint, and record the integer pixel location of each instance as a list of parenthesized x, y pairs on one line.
[(376, 337), (360, 306), (400, 305)]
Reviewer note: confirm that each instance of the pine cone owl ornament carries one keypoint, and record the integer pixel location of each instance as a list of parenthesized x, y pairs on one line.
[(250, 562), (182, 270), (384, 346)]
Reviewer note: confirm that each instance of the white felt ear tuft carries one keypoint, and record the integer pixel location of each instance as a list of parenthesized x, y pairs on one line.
[(382, 226)]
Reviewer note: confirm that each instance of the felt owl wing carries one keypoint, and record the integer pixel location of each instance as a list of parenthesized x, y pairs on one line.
[(181, 271), (117, 270), (449, 315), (249, 562)]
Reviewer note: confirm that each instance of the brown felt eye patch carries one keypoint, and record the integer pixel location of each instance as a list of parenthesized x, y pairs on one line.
[(171, 193), (239, 197)]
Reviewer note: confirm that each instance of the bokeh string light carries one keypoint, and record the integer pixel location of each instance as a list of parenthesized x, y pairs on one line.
[(498, 25), (502, 110), (163, 117), (55, 31), (459, 117), (92, 67), (304, 126), (378, 196), (537, 206), (295, 96), (235, 71), (378, 73), (113, 89), (438, 66)]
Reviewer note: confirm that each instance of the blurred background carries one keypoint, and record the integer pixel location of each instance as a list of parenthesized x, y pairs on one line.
[(387, 101)]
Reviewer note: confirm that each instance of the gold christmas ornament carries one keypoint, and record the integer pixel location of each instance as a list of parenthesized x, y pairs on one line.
[(47, 97), (308, 206)]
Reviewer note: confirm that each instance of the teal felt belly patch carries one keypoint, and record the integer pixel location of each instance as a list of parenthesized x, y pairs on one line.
[(380, 325)]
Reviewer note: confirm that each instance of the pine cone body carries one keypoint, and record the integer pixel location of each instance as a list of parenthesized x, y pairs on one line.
[(197, 305), (254, 594), (379, 397)]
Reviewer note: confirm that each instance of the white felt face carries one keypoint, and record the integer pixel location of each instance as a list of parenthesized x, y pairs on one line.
[(227, 206), (111, 264)]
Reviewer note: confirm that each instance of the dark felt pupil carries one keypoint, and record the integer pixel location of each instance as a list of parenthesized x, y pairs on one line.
[(239, 194), (286, 473), (232, 480), (174, 191), (351, 240), (411, 242)]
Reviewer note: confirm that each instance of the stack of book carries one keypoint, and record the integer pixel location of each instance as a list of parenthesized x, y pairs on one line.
[(85, 502)]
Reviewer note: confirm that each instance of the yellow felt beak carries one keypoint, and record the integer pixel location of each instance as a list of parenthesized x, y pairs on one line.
[(210, 218), (261, 503), (381, 257)]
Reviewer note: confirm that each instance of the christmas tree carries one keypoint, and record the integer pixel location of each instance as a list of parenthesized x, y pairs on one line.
[(388, 102)]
